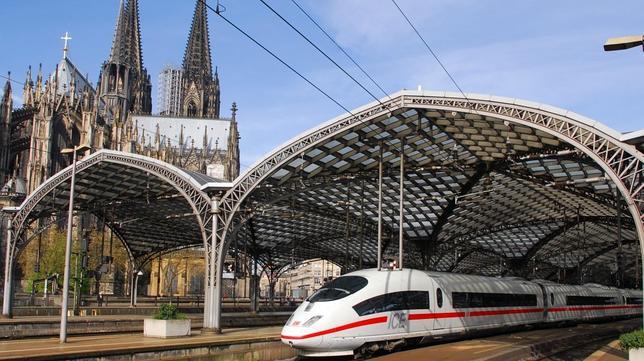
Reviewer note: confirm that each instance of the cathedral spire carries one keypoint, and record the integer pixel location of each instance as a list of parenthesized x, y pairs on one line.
[(126, 46), (6, 106), (232, 153), (124, 83), (28, 89), (39, 84), (199, 90), (135, 34), (196, 60), (120, 36), (7, 99)]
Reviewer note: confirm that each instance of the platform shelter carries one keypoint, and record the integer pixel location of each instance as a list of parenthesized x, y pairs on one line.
[(439, 181)]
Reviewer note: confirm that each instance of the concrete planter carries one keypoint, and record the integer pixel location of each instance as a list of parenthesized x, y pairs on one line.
[(636, 354), (166, 328)]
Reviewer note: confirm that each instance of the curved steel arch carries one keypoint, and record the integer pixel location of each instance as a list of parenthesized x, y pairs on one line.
[(181, 181), (621, 162)]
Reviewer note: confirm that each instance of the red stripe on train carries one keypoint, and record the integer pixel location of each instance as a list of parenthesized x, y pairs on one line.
[(593, 308), (425, 316), (369, 321)]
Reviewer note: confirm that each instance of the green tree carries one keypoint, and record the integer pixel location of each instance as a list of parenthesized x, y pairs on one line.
[(52, 257)]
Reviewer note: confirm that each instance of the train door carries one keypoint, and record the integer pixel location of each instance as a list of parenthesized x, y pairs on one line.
[(438, 308), (545, 304)]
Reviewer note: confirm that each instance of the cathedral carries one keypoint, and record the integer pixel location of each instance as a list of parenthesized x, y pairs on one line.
[(65, 109)]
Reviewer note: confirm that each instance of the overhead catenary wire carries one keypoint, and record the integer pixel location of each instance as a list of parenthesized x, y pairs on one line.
[(11, 80), (432, 52), (218, 13), (319, 50), (341, 48)]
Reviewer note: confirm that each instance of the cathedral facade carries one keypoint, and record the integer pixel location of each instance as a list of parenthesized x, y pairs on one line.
[(65, 109)]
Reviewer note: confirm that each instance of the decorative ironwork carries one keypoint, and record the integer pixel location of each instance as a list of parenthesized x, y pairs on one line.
[(622, 163), (189, 189)]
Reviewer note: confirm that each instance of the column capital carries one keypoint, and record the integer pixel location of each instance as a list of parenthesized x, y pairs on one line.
[(214, 204)]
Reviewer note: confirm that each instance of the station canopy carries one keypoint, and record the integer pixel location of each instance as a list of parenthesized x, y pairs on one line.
[(481, 195), (151, 206)]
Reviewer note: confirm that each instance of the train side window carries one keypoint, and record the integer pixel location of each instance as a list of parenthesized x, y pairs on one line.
[(395, 301), (439, 297), (591, 300), (552, 298), (416, 300), (482, 299), (339, 288)]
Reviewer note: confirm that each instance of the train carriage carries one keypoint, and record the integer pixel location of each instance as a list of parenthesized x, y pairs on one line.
[(367, 310)]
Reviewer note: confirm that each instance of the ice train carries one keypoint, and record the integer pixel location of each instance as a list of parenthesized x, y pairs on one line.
[(367, 310)]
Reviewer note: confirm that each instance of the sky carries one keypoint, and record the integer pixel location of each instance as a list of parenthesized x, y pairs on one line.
[(546, 51)]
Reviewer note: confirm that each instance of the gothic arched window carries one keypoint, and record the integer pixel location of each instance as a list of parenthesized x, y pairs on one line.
[(192, 109)]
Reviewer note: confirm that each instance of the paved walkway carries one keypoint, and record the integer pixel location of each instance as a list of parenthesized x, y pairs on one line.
[(23, 319), (609, 352), (49, 326), (34, 349)]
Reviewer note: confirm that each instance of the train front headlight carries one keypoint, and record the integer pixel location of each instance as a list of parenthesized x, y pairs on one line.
[(311, 321)]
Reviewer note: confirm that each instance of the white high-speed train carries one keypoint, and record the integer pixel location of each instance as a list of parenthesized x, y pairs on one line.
[(367, 310)]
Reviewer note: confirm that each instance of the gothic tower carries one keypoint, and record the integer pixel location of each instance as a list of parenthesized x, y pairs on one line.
[(200, 90), (6, 105), (124, 83)]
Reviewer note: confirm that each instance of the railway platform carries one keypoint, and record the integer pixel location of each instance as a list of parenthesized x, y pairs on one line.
[(262, 343), (49, 326)]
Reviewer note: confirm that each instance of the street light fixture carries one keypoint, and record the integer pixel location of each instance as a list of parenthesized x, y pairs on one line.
[(136, 285), (68, 244), (624, 42)]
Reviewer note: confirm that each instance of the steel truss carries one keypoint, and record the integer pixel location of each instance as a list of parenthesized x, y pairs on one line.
[(112, 185), (454, 150), (437, 129)]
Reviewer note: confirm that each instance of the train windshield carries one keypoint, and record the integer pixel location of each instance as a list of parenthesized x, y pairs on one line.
[(338, 288)]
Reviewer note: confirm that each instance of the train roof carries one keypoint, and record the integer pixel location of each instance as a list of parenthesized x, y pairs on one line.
[(476, 278)]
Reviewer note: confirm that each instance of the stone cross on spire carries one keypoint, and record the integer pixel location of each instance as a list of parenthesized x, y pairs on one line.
[(65, 48)]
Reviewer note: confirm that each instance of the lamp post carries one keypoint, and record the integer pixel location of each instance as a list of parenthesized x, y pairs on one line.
[(136, 284), (68, 243), (622, 43)]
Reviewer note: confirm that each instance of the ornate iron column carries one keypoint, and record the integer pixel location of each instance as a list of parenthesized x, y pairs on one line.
[(212, 308), (8, 270)]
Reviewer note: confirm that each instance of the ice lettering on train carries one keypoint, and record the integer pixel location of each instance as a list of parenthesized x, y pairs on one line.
[(398, 320)]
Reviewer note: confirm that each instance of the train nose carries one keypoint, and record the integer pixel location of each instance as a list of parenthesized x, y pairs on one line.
[(302, 334)]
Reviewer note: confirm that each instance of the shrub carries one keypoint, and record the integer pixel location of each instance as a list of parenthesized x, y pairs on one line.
[(168, 311), (631, 340)]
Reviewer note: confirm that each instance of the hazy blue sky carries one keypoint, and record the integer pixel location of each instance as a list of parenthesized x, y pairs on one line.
[(546, 51)]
